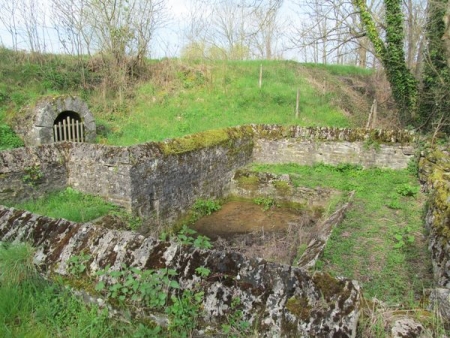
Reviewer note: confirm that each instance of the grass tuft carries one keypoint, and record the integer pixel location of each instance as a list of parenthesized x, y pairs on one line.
[(69, 204), (16, 263)]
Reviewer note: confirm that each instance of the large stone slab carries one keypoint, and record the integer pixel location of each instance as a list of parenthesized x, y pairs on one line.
[(277, 300)]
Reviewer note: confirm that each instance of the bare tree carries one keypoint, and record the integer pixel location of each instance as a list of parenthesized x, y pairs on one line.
[(197, 29), (34, 19), (266, 28), (415, 15), (9, 18), (331, 32)]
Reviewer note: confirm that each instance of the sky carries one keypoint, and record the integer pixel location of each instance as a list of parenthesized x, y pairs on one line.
[(168, 41)]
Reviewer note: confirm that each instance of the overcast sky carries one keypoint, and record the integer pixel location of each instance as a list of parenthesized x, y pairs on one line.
[(168, 41)]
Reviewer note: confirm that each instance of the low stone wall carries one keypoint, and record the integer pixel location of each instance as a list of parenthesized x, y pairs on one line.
[(27, 173), (277, 300), (160, 181), (250, 184), (102, 171), (434, 172), (166, 186), (308, 146)]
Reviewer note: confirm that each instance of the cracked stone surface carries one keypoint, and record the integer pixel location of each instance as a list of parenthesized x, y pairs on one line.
[(278, 300)]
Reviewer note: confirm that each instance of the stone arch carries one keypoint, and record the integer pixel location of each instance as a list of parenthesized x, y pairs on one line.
[(36, 124)]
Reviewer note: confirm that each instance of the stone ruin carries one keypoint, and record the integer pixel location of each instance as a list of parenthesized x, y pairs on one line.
[(55, 119), (161, 181)]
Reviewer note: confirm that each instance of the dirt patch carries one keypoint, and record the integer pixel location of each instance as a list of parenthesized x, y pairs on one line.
[(275, 234)]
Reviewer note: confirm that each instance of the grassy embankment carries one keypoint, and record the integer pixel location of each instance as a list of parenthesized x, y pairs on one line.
[(172, 98)]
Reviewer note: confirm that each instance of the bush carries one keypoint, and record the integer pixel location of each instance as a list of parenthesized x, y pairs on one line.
[(407, 190), (9, 139), (206, 207)]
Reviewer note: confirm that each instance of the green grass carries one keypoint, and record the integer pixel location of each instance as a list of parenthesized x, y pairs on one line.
[(33, 307), (365, 246), (8, 139), (68, 204), (225, 95), (341, 70), (172, 98)]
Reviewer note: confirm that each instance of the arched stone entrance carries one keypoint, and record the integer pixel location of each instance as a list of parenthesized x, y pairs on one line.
[(68, 126), (56, 119)]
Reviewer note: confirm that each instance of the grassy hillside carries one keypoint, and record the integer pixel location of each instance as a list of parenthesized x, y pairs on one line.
[(171, 98)]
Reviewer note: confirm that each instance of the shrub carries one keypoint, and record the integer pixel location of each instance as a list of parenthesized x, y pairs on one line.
[(206, 207), (9, 139)]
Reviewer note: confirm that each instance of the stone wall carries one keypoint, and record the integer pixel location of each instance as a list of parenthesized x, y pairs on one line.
[(277, 300), (154, 181), (102, 171), (27, 173), (166, 186), (160, 181), (435, 174), (307, 146)]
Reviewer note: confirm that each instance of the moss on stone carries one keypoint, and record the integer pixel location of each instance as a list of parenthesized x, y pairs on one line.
[(248, 182), (330, 287), (299, 307), (334, 134), (205, 139), (282, 187), (437, 166)]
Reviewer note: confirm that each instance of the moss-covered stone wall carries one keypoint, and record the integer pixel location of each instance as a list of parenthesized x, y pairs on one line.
[(160, 181), (307, 146), (167, 181), (27, 173), (435, 174)]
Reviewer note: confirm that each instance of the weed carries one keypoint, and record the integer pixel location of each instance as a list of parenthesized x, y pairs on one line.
[(265, 202), (149, 286), (413, 166), (202, 242), (188, 236), (407, 190), (77, 264), (236, 325), (185, 235), (371, 144), (403, 237), (184, 312), (394, 203), (202, 271), (16, 263), (8, 139), (206, 207), (32, 174), (133, 223)]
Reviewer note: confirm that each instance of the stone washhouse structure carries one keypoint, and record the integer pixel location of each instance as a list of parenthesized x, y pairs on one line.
[(56, 119), (160, 181)]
